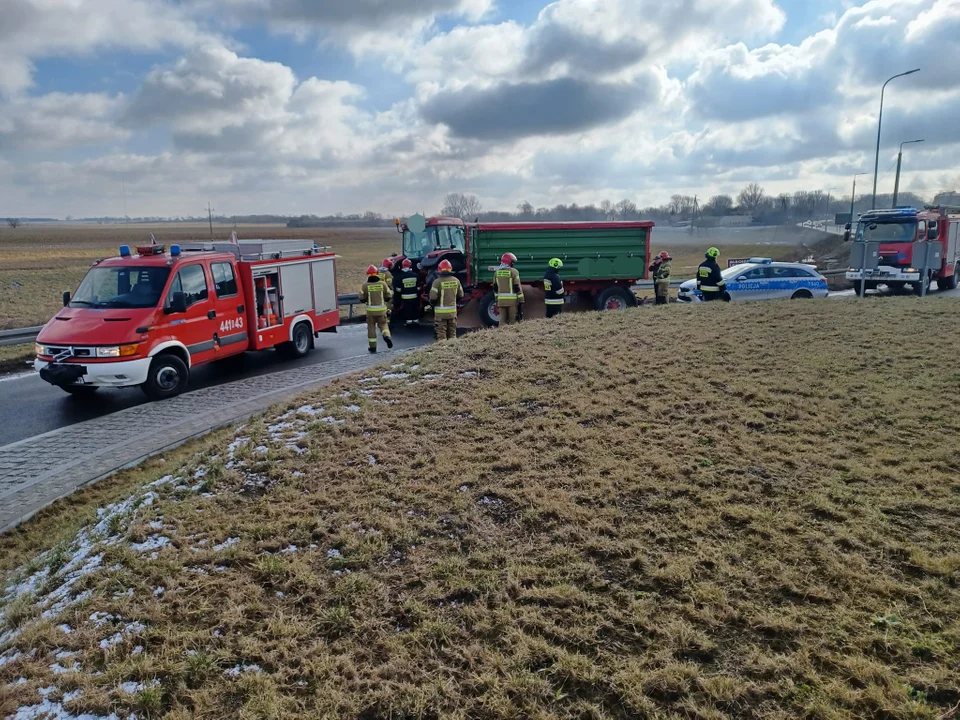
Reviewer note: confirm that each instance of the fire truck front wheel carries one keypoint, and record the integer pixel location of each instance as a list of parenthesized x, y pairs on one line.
[(168, 376)]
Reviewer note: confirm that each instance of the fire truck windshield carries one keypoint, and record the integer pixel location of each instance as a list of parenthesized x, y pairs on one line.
[(442, 237), (121, 287), (887, 230)]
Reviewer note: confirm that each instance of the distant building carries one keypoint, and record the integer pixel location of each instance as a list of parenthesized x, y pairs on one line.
[(736, 220)]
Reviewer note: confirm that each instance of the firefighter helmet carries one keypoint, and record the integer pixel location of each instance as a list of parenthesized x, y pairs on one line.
[(406, 264), (372, 270), (713, 253), (508, 259), (445, 266), (665, 255), (388, 264), (555, 263)]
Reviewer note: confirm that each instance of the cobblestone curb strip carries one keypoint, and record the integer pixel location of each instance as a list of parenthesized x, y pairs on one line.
[(40, 470)]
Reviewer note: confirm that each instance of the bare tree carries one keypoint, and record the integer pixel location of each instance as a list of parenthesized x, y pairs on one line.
[(719, 205), (627, 210), (751, 197), (13, 222), (525, 209), (606, 207), (465, 207)]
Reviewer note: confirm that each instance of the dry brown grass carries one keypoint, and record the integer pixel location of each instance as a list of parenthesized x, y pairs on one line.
[(14, 358), (607, 516), (45, 260)]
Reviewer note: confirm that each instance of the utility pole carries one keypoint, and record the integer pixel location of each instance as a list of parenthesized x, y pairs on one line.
[(828, 207), (896, 184), (210, 217), (876, 162), (853, 197)]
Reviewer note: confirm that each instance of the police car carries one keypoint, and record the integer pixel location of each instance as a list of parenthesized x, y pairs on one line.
[(763, 279)]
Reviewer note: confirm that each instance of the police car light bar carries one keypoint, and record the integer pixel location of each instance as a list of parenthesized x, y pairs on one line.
[(760, 260)]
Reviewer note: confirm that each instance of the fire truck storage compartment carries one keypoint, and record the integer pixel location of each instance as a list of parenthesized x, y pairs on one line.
[(324, 286), (295, 288), (266, 282)]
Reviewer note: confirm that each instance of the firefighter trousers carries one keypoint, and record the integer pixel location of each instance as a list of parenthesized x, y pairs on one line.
[(554, 310), (411, 311), (374, 321), (445, 327), (663, 293), (508, 314)]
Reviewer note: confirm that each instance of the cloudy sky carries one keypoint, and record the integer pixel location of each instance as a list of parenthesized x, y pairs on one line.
[(320, 106)]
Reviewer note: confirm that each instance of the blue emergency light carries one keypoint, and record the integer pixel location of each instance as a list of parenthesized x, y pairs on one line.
[(174, 250), (124, 251), (760, 261)]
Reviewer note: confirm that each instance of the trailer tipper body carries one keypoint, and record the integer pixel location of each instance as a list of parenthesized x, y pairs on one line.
[(601, 260)]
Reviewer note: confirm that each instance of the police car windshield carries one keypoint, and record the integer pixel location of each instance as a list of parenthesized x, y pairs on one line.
[(121, 287), (904, 230), (736, 271)]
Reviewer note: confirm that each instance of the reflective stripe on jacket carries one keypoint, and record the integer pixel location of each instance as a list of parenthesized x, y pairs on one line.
[(444, 293), (406, 285), (376, 294), (709, 277), (662, 275), (507, 286)]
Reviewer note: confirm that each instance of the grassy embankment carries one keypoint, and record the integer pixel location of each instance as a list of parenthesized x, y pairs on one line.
[(610, 516)]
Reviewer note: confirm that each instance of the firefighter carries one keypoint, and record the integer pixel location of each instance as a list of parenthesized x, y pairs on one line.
[(553, 288), (710, 281), (376, 294), (405, 286), (507, 290), (444, 294), (661, 278)]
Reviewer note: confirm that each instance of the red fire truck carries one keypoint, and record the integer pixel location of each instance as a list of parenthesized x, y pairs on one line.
[(147, 318)]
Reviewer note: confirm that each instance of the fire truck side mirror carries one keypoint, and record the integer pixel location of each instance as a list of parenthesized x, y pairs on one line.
[(178, 303), (66, 298), (932, 233)]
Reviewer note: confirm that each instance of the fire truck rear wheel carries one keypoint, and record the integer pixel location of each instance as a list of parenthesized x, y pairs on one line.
[(168, 377), (299, 346)]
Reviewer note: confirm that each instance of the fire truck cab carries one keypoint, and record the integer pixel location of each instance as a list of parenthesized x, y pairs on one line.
[(147, 318)]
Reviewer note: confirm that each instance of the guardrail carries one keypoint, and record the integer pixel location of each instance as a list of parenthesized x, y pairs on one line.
[(19, 336)]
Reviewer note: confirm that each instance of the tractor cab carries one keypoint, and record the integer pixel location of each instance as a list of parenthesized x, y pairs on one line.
[(427, 241)]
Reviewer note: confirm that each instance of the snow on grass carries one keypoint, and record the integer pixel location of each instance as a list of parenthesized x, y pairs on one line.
[(154, 542), (395, 376), (48, 710), (228, 543), (238, 670)]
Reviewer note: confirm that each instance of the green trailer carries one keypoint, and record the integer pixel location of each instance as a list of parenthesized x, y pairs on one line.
[(601, 261)]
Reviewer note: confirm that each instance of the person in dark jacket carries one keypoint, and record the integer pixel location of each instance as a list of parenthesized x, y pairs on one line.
[(405, 286), (553, 288), (710, 280), (661, 278)]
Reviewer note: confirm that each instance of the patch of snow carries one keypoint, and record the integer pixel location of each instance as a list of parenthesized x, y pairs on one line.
[(228, 543), (297, 474), (109, 642), (352, 408), (154, 542), (158, 591), (66, 629), (155, 525), (101, 618), (395, 376), (17, 682), (279, 427), (463, 489), (368, 380), (398, 366), (433, 376), (289, 549), (137, 650), (334, 553), (261, 449), (330, 420), (126, 593), (238, 669), (371, 459), (280, 594), (72, 695), (469, 373), (58, 669), (132, 687), (10, 657), (43, 692), (414, 367), (64, 654), (48, 710)]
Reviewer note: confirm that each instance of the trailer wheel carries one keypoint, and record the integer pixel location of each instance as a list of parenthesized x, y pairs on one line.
[(80, 391), (167, 378), (299, 346), (615, 298), (489, 312)]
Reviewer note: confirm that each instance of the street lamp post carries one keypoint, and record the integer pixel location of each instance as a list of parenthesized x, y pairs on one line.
[(853, 196), (876, 163), (829, 190), (896, 184)]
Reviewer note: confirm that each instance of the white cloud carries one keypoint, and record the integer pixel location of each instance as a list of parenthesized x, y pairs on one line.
[(35, 29), (59, 120)]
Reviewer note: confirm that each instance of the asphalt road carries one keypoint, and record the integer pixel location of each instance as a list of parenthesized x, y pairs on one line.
[(31, 406)]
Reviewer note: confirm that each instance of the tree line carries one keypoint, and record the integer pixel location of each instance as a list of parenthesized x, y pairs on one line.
[(752, 201)]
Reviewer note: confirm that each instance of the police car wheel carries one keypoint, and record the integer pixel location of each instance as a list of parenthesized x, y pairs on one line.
[(802, 295), (80, 391), (168, 376)]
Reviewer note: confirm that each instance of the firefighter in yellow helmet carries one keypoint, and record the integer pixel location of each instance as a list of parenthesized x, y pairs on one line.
[(444, 294), (553, 288), (508, 290), (710, 280), (376, 294)]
